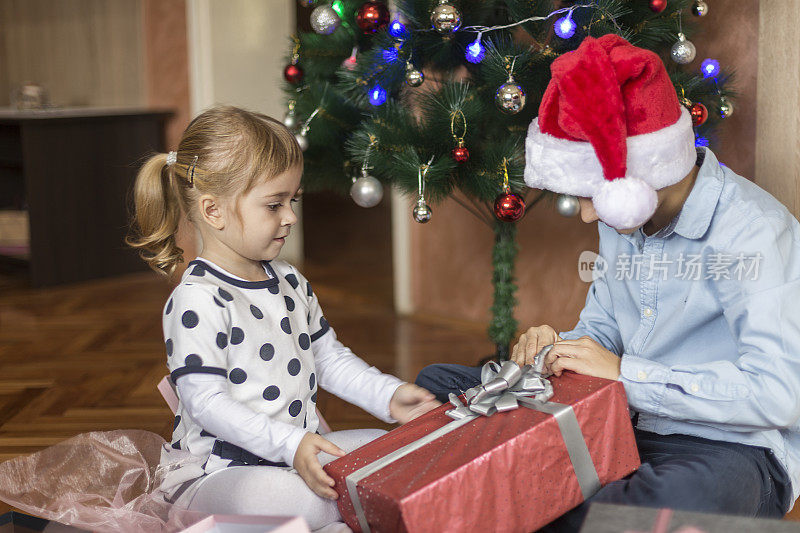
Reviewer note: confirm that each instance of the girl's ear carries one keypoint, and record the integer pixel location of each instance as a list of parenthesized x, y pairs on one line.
[(211, 211)]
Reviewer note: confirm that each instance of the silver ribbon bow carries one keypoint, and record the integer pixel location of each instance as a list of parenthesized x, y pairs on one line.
[(502, 385)]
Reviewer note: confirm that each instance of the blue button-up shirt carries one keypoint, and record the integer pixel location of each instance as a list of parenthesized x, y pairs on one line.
[(705, 314)]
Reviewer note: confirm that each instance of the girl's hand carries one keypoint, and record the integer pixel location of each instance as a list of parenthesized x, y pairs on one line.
[(307, 464), (584, 356), (531, 342), (410, 401)]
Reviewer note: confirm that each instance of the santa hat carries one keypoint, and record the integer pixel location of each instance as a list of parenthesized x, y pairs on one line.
[(610, 127)]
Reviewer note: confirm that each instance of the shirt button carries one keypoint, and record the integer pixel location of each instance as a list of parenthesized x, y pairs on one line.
[(648, 311), (642, 374), (695, 387)]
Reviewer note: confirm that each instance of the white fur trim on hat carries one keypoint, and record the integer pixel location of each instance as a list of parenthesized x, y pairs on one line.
[(625, 203), (660, 159)]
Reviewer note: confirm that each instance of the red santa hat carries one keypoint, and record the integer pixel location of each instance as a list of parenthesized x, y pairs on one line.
[(610, 127)]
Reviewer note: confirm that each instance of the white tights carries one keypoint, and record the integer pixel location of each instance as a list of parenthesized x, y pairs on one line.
[(268, 490)]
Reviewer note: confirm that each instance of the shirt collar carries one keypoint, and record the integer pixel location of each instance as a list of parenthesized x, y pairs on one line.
[(698, 209)]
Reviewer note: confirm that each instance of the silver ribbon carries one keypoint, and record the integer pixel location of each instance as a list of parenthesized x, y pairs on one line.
[(503, 388)]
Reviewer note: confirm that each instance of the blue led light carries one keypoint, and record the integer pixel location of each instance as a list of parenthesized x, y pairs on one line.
[(377, 95), (565, 27), (397, 30), (700, 141), (390, 55), (710, 68), (475, 51)]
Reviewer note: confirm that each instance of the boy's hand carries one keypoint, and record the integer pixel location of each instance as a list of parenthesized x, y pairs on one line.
[(531, 342), (307, 464), (410, 401), (584, 356)]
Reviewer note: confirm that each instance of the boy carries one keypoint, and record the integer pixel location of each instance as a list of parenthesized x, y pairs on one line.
[(697, 311)]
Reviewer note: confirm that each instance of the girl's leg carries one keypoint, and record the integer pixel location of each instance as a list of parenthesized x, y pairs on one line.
[(442, 379)]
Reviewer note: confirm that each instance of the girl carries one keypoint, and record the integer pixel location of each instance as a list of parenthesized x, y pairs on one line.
[(247, 344)]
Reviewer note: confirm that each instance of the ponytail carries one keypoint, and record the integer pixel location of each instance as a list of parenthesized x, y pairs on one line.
[(157, 215)]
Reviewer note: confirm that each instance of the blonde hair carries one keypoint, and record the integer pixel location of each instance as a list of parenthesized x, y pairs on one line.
[(235, 150)]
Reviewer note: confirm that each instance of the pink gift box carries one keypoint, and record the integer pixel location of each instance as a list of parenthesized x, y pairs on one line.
[(228, 523)]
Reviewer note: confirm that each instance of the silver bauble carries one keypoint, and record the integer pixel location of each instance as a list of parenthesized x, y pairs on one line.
[(725, 107), (302, 140), (510, 97), (366, 191), (699, 8), (567, 205), (414, 77), (307, 3), (683, 51), (422, 211), (445, 18), (290, 119), (324, 20)]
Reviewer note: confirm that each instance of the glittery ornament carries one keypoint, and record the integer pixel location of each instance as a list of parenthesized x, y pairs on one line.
[(510, 97), (699, 8), (372, 16), (725, 107), (509, 207), (422, 211), (324, 20), (657, 6), (445, 18), (414, 77), (567, 205), (366, 191), (293, 73), (699, 114), (683, 51), (460, 153)]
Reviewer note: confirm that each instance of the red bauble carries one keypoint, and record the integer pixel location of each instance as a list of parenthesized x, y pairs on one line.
[(509, 207), (293, 73), (372, 16), (461, 154), (699, 114), (657, 6)]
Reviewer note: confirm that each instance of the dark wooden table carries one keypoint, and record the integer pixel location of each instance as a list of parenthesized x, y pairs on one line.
[(73, 170)]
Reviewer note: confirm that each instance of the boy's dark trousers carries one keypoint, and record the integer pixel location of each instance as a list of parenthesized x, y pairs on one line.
[(678, 471)]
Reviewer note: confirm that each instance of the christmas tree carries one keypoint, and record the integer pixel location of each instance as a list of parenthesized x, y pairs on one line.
[(435, 98)]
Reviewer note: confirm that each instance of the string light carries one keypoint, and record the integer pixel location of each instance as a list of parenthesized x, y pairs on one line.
[(701, 141), (377, 95), (390, 55), (475, 50), (709, 68), (565, 27), (397, 29)]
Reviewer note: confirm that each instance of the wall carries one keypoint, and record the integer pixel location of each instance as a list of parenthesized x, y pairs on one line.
[(450, 257), (84, 52)]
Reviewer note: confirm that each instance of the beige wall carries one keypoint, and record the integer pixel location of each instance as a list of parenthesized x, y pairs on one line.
[(450, 256), (85, 52)]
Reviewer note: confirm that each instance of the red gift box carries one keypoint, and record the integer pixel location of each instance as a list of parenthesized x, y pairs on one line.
[(506, 472)]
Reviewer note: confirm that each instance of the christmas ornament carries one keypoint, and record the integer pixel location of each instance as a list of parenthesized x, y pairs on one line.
[(508, 206), (460, 152), (725, 107), (324, 20), (683, 51), (445, 18), (302, 136), (290, 119), (657, 6), (567, 205), (350, 62), (699, 8), (307, 3), (366, 191), (293, 73), (372, 16), (414, 77), (699, 114), (422, 212), (510, 97)]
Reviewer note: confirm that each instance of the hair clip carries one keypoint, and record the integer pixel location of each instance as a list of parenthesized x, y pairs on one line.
[(172, 158), (191, 172)]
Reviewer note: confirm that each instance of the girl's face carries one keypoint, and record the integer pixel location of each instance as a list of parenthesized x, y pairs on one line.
[(266, 216)]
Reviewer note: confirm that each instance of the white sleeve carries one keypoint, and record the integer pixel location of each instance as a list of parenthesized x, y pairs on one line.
[(347, 376), (206, 398)]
